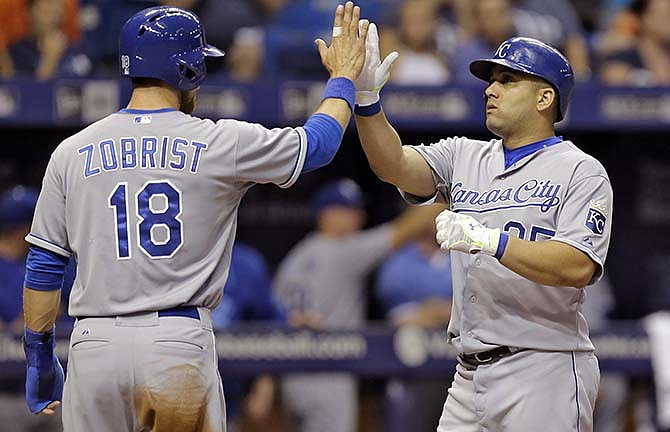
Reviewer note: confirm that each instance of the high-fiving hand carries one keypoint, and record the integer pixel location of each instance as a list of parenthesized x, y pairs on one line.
[(375, 73), (465, 234), (346, 54)]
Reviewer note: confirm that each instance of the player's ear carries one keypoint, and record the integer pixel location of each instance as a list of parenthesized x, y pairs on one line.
[(546, 95)]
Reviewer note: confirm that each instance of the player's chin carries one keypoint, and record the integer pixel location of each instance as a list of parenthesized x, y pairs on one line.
[(493, 125)]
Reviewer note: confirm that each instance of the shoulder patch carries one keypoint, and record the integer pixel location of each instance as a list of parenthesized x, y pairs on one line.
[(596, 217)]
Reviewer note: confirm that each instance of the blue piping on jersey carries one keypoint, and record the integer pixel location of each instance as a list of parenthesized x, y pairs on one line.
[(465, 210), (142, 111), (295, 165), (44, 269), (324, 135), (63, 248), (574, 372), (515, 155)]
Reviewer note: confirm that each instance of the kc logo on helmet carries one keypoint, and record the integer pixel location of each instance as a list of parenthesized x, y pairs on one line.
[(502, 50), (596, 218)]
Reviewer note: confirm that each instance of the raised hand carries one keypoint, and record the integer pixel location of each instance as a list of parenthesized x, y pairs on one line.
[(345, 56), (375, 73)]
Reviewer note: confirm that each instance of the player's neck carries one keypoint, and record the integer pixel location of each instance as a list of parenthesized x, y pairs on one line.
[(523, 138), (153, 98)]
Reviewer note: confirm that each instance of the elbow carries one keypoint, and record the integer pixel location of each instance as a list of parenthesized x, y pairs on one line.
[(578, 277)]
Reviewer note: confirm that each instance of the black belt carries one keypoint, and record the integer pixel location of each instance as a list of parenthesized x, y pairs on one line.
[(178, 311), (487, 357)]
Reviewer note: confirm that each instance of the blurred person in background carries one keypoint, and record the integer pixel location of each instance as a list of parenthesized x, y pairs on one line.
[(563, 29), (414, 287), (487, 23), (415, 37), (245, 61), (48, 46), (237, 27), (414, 283), (321, 283), (17, 205), (248, 297), (635, 49), (12, 27), (614, 393)]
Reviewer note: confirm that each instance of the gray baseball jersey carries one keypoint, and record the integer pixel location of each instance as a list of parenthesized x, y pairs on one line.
[(327, 275), (147, 203), (558, 193)]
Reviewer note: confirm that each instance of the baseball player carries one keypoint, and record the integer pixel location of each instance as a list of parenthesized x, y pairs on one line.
[(146, 200), (529, 226), (321, 282)]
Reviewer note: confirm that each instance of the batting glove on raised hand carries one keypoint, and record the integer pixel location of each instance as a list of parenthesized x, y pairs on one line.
[(44, 377), (465, 234), (375, 73)]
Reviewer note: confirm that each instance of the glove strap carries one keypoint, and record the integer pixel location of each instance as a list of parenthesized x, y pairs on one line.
[(502, 244), (368, 110)]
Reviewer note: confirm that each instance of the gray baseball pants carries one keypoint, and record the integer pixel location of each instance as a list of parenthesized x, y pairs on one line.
[(143, 372), (527, 391)]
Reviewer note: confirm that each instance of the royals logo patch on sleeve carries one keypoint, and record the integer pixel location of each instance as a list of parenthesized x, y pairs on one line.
[(596, 217)]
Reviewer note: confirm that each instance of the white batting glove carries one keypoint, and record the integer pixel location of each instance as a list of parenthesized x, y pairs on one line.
[(375, 73), (465, 234)]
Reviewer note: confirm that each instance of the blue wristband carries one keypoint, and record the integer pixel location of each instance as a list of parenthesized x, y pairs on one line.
[(368, 110), (502, 244), (341, 88)]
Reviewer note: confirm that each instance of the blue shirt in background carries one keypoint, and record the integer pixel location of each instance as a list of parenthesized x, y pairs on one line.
[(247, 295), (409, 276), (12, 273)]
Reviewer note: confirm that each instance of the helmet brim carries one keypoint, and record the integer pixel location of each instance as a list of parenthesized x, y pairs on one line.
[(212, 51), (482, 68)]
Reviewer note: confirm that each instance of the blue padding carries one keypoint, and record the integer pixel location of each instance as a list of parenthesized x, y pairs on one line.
[(44, 269), (324, 135)]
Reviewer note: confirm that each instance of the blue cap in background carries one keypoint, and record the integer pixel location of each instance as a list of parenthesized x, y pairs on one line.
[(17, 206), (342, 193)]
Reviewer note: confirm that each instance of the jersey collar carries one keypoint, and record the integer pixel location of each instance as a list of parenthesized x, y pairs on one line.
[(141, 111), (515, 155)]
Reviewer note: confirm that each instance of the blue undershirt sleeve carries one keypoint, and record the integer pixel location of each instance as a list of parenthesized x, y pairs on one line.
[(324, 135), (44, 269)]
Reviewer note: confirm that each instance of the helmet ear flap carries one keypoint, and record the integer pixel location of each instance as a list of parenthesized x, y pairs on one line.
[(190, 69)]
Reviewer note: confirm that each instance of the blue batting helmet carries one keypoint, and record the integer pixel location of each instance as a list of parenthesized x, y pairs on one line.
[(532, 57), (17, 206), (167, 43)]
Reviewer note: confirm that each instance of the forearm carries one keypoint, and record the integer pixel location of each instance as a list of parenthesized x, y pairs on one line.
[(42, 286), (337, 109), (390, 160), (40, 309), (381, 144), (548, 262)]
